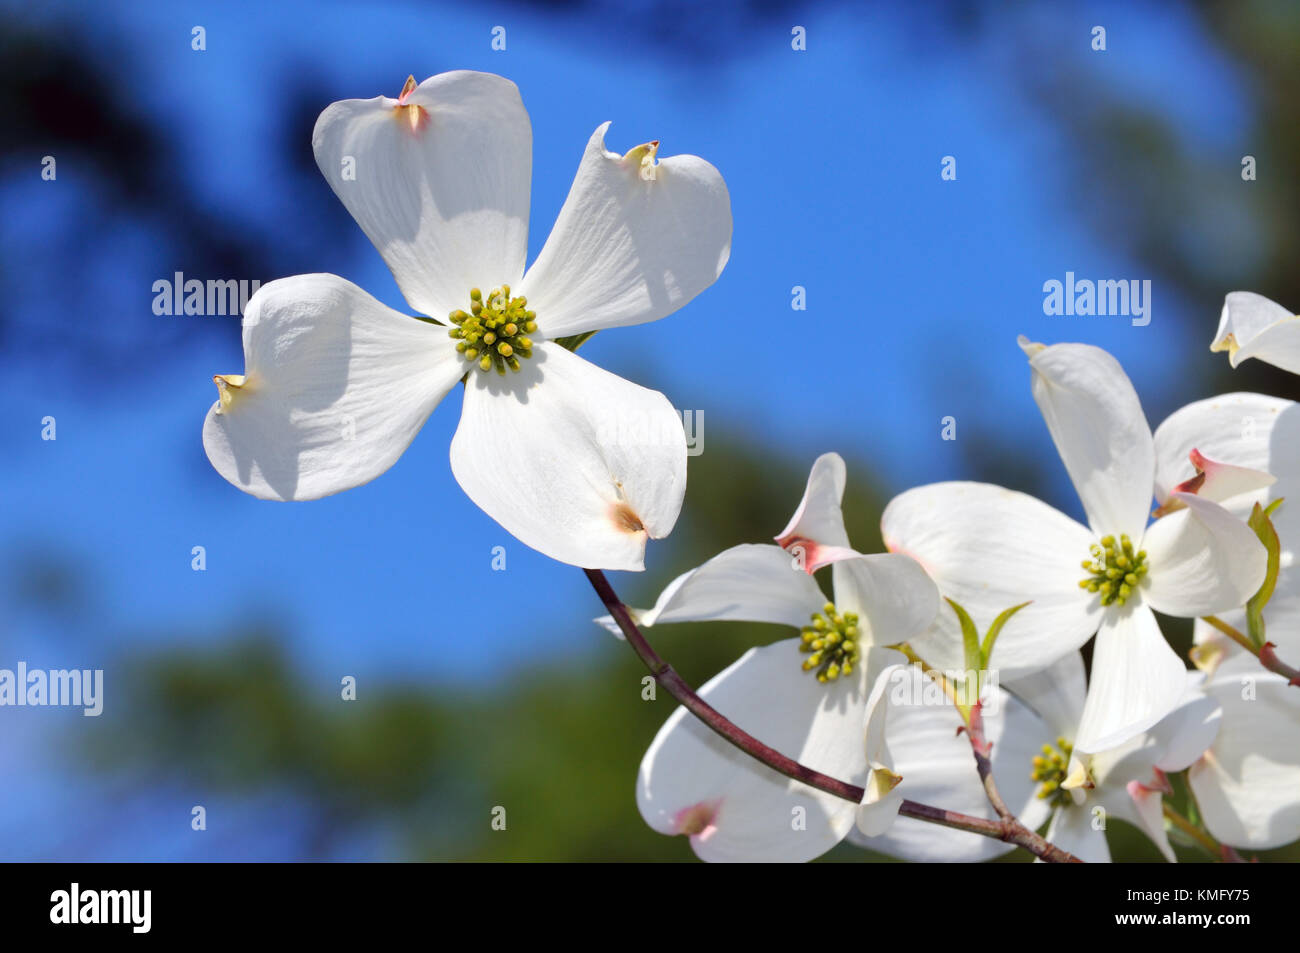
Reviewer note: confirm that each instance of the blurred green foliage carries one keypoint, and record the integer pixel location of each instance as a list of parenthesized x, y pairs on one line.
[(557, 746)]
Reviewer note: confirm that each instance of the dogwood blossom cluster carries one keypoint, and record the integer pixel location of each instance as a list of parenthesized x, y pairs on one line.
[(883, 680), (1072, 747)]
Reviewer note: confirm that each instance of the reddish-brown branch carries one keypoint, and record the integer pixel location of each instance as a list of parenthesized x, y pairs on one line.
[(1268, 658), (1267, 654), (1006, 829)]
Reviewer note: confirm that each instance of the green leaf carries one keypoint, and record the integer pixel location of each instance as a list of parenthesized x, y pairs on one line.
[(970, 638), (574, 341), (1263, 526), (994, 631)]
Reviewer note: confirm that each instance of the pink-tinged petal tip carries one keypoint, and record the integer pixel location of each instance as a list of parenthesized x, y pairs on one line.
[(810, 555), (411, 115), (699, 821), (1216, 482)]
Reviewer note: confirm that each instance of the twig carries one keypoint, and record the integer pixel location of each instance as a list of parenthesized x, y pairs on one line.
[(1007, 829), (1267, 655), (1201, 837)]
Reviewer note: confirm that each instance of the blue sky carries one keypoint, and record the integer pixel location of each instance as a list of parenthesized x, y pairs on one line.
[(916, 290)]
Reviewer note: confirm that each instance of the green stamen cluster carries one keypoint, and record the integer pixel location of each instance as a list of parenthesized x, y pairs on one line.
[(1050, 768), (492, 334), (833, 641), (1115, 570)]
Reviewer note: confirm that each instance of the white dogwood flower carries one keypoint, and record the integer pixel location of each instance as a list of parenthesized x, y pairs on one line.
[(1126, 781), (804, 696), (1038, 770), (1247, 447), (989, 548), (574, 461), (912, 730), (1247, 785), (1253, 326)]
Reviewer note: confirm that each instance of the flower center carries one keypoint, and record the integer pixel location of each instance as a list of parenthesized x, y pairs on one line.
[(1050, 769), (492, 333), (833, 641), (1114, 570)]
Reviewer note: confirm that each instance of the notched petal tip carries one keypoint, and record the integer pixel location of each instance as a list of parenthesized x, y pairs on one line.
[(1031, 348), (227, 386), (643, 159), (698, 820), (880, 782), (1208, 655), (1249, 327), (1226, 343), (625, 519), (810, 555), (1214, 481), (1079, 776), (1160, 782), (410, 115)]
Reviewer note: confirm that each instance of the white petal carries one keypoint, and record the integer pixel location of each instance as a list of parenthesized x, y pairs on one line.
[(990, 549), (1137, 679), (634, 242), (444, 200), (1244, 315), (336, 385), (893, 597), (1218, 482), (1248, 784), (1183, 736), (1170, 745), (938, 769), (1100, 432), (574, 461), (1055, 693), (1253, 326), (750, 583), (1147, 814), (1203, 560), (881, 798), (1072, 829), (816, 532), (758, 814), (1278, 345), (1130, 784), (1254, 432)]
